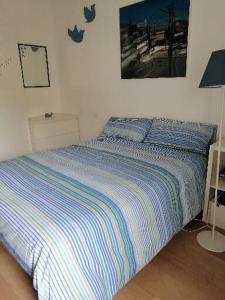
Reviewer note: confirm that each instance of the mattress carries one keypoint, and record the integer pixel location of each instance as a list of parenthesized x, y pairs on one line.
[(85, 219)]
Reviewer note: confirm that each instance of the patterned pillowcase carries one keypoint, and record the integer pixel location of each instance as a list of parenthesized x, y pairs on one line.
[(132, 129), (189, 136)]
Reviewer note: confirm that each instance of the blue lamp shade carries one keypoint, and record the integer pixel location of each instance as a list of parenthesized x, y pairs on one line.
[(214, 75)]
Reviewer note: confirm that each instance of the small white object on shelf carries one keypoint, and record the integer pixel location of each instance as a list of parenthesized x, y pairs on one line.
[(60, 130)]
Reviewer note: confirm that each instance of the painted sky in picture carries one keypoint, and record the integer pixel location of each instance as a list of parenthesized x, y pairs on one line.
[(154, 37)]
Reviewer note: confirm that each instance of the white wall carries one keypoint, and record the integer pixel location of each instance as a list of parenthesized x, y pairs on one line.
[(32, 22), (24, 21), (90, 71), (13, 126)]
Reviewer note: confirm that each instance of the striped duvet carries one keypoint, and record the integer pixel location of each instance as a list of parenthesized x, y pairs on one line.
[(83, 220)]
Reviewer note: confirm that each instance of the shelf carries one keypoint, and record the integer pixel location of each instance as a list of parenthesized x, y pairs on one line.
[(211, 183), (55, 118), (221, 184)]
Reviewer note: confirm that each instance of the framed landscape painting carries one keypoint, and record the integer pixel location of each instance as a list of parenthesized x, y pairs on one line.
[(154, 39)]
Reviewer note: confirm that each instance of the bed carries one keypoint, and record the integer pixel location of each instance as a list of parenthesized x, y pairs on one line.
[(85, 219)]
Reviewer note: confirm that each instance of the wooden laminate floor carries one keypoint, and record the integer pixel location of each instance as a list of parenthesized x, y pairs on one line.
[(181, 271)]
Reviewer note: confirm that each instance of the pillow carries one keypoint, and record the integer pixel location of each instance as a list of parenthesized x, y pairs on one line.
[(195, 137), (132, 129)]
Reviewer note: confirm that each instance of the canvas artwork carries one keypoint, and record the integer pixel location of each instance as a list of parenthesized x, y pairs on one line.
[(154, 37)]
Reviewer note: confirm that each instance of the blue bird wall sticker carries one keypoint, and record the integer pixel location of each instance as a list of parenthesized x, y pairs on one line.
[(76, 35), (90, 13)]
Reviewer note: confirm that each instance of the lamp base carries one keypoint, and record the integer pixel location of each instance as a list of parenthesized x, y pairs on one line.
[(204, 238)]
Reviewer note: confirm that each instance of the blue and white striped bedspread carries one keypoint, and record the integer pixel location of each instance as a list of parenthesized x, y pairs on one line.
[(83, 220)]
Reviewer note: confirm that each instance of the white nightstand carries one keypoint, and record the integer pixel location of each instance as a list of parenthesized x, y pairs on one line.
[(59, 131), (211, 185)]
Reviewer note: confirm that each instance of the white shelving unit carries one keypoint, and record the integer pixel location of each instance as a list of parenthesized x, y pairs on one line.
[(59, 131), (211, 185)]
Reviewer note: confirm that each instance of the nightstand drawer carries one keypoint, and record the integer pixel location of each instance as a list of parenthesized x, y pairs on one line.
[(52, 128), (56, 142), (60, 131)]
